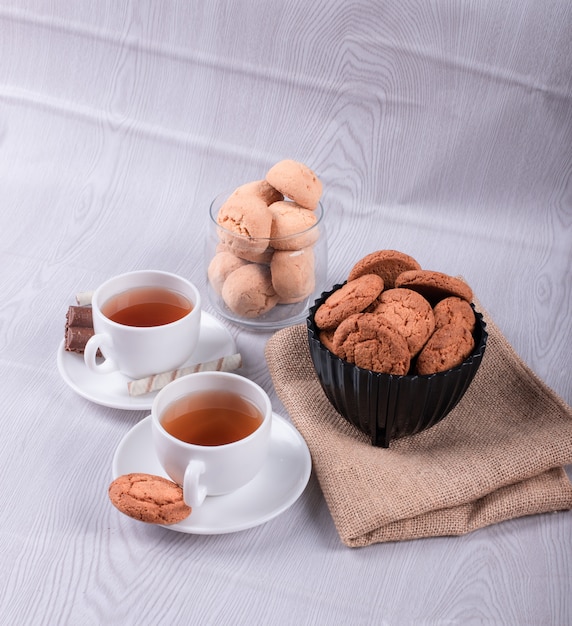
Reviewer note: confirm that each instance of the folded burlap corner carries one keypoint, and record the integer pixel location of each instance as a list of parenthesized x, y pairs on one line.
[(498, 455)]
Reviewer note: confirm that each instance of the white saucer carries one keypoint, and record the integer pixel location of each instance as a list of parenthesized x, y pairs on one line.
[(278, 485), (110, 390)]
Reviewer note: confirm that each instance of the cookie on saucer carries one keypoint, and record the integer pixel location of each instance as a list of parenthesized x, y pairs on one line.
[(148, 498)]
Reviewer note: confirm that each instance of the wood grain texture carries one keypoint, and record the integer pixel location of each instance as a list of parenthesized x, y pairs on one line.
[(442, 129)]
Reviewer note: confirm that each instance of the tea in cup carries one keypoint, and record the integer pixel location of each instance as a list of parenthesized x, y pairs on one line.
[(211, 432), (145, 322)]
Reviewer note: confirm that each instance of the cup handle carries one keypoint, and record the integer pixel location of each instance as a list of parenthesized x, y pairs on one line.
[(194, 493), (99, 340)]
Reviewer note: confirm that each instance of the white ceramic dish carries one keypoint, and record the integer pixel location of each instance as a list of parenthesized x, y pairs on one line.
[(278, 485), (110, 390)]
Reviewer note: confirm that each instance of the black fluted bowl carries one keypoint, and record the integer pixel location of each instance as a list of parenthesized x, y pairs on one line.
[(387, 406)]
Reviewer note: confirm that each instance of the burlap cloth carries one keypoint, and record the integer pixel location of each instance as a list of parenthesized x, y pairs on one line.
[(498, 455)]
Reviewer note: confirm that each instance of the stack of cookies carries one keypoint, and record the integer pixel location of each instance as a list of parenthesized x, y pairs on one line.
[(267, 232), (393, 317)]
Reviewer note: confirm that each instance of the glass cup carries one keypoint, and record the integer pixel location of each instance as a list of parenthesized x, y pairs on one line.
[(264, 283)]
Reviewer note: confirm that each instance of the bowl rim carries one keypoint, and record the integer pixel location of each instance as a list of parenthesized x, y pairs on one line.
[(477, 352)]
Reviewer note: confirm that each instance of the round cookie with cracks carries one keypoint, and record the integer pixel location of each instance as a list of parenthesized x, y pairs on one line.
[(410, 313), (246, 222), (221, 266), (454, 310), (434, 286), (291, 227), (293, 276), (148, 498), (327, 338), (297, 182), (385, 263), (447, 347), (260, 188), (373, 343), (248, 291), (353, 297)]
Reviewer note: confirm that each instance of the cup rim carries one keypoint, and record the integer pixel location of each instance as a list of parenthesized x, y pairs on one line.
[(156, 420), (219, 199), (196, 299)]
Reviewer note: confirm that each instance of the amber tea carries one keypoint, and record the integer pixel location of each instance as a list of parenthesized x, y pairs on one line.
[(211, 418), (147, 306)]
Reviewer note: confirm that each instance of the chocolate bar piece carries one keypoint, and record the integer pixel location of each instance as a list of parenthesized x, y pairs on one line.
[(80, 316), (76, 338), (79, 328)]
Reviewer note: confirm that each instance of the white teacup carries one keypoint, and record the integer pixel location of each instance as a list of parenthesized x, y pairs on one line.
[(139, 351), (217, 468)]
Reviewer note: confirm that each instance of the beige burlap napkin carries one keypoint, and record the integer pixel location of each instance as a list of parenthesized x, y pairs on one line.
[(498, 455)]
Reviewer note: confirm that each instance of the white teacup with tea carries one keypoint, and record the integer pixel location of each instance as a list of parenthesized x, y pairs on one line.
[(145, 322), (211, 432)]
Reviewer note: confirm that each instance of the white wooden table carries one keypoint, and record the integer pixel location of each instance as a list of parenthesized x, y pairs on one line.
[(442, 129)]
